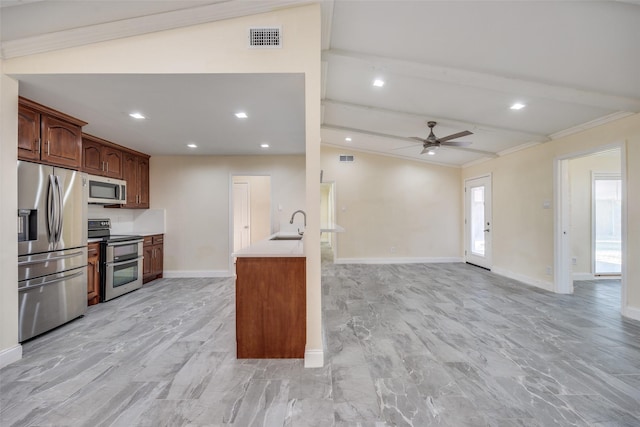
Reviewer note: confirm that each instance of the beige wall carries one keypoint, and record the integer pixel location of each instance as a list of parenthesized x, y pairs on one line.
[(260, 214), (523, 239), (195, 193), (394, 209), (9, 349), (580, 172), (218, 47)]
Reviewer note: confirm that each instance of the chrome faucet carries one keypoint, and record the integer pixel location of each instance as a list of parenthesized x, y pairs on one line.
[(303, 214), (305, 219)]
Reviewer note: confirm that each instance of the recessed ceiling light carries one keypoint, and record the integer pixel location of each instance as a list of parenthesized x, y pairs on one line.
[(241, 115), (137, 116), (264, 145), (378, 82), (517, 106), (348, 139), (192, 146)]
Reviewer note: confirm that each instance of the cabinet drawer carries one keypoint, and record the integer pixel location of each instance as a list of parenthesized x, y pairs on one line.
[(148, 240), (159, 238)]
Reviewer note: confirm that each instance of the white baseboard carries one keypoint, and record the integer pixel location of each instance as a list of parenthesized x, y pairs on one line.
[(185, 274), (631, 312), (547, 286), (397, 260), (10, 355), (583, 276), (314, 358)]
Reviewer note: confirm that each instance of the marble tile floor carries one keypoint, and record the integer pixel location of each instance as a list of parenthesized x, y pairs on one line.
[(407, 345)]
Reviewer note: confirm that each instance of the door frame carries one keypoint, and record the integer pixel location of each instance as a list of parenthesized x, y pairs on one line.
[(232, 264), (562, 279), (466, 237)]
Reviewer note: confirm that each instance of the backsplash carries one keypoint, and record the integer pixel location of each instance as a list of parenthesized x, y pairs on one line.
[(126, 221)]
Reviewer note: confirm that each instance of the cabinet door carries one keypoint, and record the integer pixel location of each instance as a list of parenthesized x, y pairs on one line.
[(92, 157), (147, 263), (28, 133), (112, 159), (61, 142), (93, 274), (158, 259), (130, 174), (143, 182)]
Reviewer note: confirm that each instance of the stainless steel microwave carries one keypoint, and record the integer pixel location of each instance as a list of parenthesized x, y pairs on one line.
[(107, 191)]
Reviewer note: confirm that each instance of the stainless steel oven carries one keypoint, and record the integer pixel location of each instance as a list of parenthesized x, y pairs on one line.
[(122, 267), (121, 260)]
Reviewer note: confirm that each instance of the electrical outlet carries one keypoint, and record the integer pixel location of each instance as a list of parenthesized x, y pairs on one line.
[(549, 270), (393, 249), (574, 260)]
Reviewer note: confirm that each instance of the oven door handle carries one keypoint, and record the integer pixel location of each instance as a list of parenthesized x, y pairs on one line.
[(126, 242), (129, 261)]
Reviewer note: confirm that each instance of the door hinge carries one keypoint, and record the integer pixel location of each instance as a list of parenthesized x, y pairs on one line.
[(465, 253)]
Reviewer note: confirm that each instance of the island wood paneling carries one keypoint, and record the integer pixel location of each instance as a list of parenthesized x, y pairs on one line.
[(270, 307)]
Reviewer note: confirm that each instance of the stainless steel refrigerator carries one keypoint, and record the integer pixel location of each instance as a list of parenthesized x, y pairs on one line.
[(52, 247)]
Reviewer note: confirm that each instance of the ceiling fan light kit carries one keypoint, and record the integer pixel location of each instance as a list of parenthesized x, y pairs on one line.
[(432, 143)]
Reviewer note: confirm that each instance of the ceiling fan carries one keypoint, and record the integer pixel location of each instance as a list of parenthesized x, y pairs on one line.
[(432, 143)]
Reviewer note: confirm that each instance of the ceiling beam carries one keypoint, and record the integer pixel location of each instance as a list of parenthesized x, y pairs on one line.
[(73, 37), (474, 127), (401, 138), (487, 81)]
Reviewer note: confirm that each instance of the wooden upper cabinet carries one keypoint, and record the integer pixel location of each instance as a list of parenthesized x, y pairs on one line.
[(100, 157), (48, 136), (143, 182), (28, 133)]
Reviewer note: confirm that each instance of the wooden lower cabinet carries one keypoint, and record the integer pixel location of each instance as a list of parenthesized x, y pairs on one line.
[(93, 273), (153, 264), (271, 307)]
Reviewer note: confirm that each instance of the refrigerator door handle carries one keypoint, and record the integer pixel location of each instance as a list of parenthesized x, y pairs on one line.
[(50, 282), (45, 260), (60, 210), (51, 210)]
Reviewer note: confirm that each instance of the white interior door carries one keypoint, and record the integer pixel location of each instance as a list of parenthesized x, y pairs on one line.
[(607, 224), (241, 216), (478, 221)]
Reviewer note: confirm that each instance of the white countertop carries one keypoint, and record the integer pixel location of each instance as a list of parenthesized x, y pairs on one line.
[(331, 228), (273, 248)]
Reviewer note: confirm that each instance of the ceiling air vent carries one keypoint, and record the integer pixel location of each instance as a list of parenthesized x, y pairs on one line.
[(264, 37), (346, 158)]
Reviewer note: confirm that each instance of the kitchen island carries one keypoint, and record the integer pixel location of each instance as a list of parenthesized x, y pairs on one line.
[(271, 299)]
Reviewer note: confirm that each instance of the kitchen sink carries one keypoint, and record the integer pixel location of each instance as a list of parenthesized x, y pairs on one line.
[(286, 237)]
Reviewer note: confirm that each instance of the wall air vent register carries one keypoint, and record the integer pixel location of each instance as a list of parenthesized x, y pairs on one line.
[(264, 37), (346, 158)]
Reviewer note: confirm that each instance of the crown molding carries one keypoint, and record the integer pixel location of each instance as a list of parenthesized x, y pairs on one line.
[(591, 124), (140, 25)]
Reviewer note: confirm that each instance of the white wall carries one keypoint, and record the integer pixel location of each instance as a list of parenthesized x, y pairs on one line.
[(10, 350), (195, 193), (218, 47), (580, 172), (523, 231), (394, 209)]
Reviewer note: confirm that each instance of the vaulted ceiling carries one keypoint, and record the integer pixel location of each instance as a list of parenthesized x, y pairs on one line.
[(461, 63)]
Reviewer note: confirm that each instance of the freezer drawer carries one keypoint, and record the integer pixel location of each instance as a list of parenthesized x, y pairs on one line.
[(32, 266), (50, 301)]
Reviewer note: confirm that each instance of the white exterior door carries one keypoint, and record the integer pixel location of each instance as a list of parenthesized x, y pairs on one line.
[(241, 216), (478, 221)]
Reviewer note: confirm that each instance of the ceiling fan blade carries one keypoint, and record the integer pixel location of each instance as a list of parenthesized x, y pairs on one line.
[(456, 143), (455, 135), (425, 149), (417, 138)]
